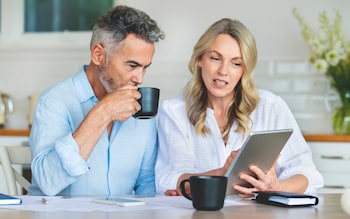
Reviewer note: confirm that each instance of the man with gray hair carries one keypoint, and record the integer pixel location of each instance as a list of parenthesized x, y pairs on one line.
[(84, 140)]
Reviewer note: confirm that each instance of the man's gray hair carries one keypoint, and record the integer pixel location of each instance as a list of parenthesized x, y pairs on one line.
[(117, 23)]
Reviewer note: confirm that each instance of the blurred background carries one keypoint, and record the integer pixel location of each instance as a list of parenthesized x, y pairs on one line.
[(43, 42)]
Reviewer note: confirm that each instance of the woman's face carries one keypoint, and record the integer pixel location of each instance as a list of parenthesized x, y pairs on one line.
[(222, 68)]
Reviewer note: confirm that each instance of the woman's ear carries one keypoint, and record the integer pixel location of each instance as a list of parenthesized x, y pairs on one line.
[(199, 63), (98, 54)]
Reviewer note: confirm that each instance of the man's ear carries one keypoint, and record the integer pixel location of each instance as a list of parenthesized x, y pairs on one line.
[(98, 54)]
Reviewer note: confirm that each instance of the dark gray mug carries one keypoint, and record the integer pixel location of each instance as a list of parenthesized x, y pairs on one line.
[(148, 101), (207, 192)]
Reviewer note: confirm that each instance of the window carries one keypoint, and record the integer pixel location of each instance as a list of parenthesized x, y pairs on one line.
[(44, 24), (63, 15)]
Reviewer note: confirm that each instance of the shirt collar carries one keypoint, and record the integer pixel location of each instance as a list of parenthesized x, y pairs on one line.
[(83, 86)]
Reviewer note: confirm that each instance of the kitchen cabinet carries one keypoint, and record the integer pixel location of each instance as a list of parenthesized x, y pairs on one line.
[(12, 138), (331, 154), (9, 137)]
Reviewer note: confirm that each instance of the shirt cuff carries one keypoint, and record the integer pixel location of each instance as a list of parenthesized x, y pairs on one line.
[(68, 152)]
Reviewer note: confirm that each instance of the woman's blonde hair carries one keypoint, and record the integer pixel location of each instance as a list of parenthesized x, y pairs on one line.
[(245, 97)]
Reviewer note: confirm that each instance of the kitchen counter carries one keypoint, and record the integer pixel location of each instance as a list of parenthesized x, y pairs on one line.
[(308, 137), (14, 132), (327, 137)]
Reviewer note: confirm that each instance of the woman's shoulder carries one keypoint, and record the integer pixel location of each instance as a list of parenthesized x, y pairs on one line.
[(174, 102), (268, 96), (173, 105), (271, 100), (266, 93)]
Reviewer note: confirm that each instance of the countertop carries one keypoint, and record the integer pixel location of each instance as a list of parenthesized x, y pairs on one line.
[(308, 137), (327, 137), (14, 132)]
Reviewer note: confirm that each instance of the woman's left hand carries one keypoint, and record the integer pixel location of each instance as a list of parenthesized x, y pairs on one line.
[(264, 181)]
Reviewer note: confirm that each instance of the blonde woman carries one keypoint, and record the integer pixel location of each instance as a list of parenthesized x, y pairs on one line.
[(200, 132)]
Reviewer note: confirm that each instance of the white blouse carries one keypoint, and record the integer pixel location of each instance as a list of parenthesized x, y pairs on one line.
[(181, 150)]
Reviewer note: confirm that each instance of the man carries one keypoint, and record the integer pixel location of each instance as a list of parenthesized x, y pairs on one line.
[(84, 140)]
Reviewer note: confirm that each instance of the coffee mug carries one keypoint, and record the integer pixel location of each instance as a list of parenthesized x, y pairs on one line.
[(149, 102), (207, 192)]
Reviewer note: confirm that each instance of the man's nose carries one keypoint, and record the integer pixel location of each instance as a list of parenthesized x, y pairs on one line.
[(138, 78)]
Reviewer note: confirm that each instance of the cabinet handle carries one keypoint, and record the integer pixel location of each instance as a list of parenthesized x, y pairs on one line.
[(333, 187), (345, 157)]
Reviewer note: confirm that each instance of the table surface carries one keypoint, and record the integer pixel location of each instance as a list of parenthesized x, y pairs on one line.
[(328, 207)]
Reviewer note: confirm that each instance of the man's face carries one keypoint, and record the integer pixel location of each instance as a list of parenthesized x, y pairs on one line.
[(128, 65)]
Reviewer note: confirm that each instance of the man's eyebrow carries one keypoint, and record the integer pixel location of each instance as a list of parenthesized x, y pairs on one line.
[(148, 65), (133, 62), (137, 64)]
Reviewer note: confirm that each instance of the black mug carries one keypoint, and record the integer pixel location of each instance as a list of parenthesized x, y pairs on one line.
[(149, 102), (207, 192)]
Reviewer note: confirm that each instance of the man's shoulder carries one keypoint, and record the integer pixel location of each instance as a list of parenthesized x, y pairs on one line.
[(58, 89), (64, 88)]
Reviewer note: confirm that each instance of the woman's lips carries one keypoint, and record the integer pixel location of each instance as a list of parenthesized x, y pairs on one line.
[(220, 82)]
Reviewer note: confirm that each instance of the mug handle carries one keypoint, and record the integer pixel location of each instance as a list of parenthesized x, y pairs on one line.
[(183, 190)]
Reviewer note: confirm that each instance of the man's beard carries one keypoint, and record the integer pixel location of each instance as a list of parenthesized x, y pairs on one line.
[(106, 81)]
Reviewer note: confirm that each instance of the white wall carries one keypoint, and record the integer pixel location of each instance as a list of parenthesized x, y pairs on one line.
[(277, 32)]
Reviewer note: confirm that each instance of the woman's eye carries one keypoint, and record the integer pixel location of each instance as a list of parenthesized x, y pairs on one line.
[(214, 58)]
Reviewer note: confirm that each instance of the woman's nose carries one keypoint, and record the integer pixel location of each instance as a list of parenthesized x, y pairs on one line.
[(223, 69)]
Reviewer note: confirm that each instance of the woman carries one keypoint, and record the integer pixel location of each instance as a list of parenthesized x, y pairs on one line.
[(200, 132)]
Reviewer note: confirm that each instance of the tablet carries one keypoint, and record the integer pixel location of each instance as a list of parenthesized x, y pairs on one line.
[(261, 149)]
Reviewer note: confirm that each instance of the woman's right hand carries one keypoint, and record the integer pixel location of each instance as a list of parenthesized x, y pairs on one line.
[(229, 160), (217, 172), (172, 192)]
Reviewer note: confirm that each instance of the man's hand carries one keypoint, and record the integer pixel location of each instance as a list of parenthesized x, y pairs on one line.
[(122, 103)]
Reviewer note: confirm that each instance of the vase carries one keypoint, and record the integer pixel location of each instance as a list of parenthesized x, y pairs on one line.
[(341, 115)]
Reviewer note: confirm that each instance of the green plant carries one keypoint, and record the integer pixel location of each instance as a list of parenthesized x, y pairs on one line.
[(330, 54)]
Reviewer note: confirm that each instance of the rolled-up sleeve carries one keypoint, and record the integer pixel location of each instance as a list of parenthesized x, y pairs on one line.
[(68, 152)]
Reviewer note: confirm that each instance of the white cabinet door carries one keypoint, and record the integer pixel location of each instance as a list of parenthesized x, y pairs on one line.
[(333, 161)]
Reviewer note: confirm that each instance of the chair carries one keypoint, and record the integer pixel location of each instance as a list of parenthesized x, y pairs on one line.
[(10, 156)]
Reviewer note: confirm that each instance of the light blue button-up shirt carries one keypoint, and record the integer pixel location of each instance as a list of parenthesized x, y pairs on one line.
[(119, 165)]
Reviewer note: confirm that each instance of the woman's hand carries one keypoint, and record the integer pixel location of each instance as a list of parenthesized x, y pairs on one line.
[(216, 172), (264, 181), (172, 192), (228, 162)]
